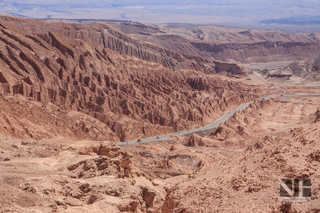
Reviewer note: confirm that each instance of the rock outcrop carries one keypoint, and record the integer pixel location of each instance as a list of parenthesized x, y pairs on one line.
[(111, 161), (222, 184), (281, 73), (308, 69), (196, 140), (79, 177)]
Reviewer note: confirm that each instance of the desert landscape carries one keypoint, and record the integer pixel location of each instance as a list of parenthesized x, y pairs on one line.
[(134, 117)]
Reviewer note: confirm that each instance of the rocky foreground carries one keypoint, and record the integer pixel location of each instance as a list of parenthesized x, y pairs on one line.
[(240, 173), (249, 180), (81, 177)]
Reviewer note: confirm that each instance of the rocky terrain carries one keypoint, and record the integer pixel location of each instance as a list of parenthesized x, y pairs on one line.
[(106, 36), (248, 181), (66, 99), (308, 70), (131, 97), (52, 176), (244, 158), (166, 160), (231, 44)]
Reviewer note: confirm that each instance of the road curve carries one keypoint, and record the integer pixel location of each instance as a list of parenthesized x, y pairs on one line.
[(220, 120), (210, 126)]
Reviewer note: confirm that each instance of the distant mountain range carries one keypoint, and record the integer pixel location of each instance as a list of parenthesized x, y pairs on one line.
[(247, 14), (311, 20)]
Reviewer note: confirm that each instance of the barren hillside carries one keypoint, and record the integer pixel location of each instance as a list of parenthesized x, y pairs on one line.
[(73, 177), (66, 99), (132, 97), (222, 43), (251, 153), (105, 36)]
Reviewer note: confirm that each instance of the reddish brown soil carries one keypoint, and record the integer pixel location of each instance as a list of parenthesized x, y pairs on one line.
[(64, 102), (230, 44), (131, 97), (106, 36), (248, 180)]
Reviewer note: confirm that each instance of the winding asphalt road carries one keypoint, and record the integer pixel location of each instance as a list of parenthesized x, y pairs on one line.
[(210, 126), (220, 120)]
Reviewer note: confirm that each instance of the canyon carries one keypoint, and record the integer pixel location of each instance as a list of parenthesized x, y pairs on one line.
[(70, 92), (106, 36), (227, 44), (131, 97)]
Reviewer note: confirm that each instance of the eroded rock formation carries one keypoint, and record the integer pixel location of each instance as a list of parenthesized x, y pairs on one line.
[(253, 174), (132, 97), (246, 46), (106, 36)]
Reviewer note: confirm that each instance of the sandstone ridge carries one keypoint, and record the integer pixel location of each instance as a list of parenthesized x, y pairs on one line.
[(223, 43), (106, 36)]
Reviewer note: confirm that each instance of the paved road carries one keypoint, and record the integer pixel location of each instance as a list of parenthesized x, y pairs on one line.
[(210, 126), (220, 120)]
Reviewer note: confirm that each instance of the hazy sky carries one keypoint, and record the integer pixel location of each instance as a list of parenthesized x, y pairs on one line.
[(165, 11)]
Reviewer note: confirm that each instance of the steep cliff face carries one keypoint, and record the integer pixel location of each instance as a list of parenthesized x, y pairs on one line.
[(175, 43), (229, 43), (103, 35), (215, 33), (132, 97), (253, 52), (136, 28), (261, 51)]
